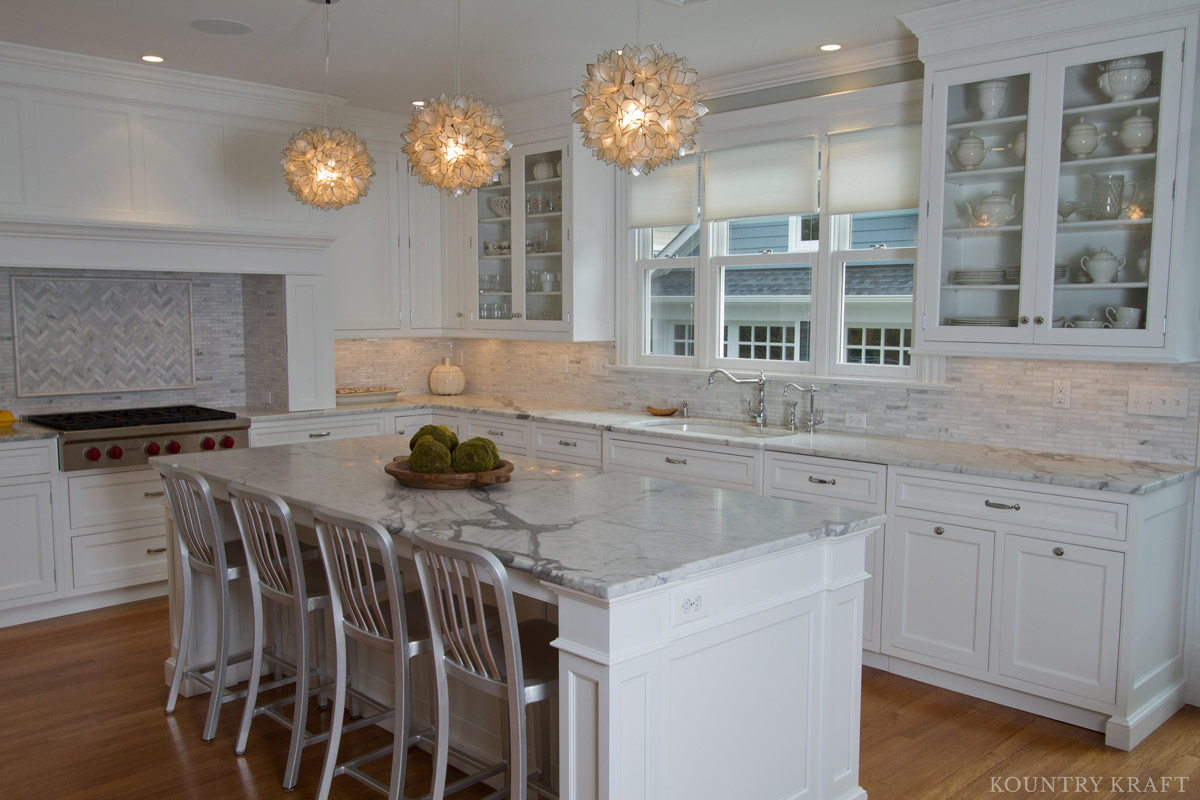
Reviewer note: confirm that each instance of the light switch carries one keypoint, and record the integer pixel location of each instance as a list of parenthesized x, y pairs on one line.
[(1158, 401)]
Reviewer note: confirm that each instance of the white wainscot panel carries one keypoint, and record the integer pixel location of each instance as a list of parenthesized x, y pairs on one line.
[(84, 158), (262, 191), (185, 167), (12, 185)]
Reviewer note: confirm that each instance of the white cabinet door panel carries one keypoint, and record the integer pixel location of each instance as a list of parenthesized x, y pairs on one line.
[(511, 436), (84, 157), (12, 182), (185, 167), (26, 540), (115, 497), (663, 458)]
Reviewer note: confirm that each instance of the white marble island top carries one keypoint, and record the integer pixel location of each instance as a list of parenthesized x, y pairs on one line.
[(606, 534)]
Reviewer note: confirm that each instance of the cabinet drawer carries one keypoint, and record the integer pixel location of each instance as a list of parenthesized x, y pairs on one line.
[(510, 436), (573, 445), (826, 480), (316, 430), (137, 555), (115, 497), (1012, 506), (408, 424), (706, 467), (22, 461)]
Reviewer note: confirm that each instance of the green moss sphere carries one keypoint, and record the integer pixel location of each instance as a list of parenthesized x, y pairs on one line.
[(491, 446), (474, 455), (429, 455), (443, 434)]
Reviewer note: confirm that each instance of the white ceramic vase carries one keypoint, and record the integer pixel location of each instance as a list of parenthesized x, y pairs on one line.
[(447, 378)]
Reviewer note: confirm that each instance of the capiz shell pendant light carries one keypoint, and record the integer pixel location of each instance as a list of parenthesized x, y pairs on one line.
[(456, 143), (324, 167)]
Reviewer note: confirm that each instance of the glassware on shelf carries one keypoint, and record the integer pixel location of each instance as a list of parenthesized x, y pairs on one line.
[(992, 96), (1108, 196)]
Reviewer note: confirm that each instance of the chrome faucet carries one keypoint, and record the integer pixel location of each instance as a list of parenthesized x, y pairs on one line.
[(685, 409), (759, 414), (814, 417)]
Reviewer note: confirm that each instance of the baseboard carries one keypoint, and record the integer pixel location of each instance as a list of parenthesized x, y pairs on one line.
[(1126, 734), (61, 607)]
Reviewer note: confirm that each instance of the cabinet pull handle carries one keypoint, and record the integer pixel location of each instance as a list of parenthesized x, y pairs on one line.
[(159, 493), (670, 460), (400, 432), (1005, 506), (826, 481), (1058, 551), (565, 443), (495, 433), (150, 551), (320, 435), (939, 530)]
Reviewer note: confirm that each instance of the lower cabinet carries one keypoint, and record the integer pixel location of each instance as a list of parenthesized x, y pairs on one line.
[(117, 529), (723, 467), (27, 542), (567, 443), (334, 426), (510, 435)]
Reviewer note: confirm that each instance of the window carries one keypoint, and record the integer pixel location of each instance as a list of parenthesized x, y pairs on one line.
[(794, 255)]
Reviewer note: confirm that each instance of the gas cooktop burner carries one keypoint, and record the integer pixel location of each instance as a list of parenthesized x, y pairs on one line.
[(129, 417)]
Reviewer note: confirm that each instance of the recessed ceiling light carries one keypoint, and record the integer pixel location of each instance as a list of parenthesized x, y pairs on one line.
[(221, 27), (829, 48), (153, 59)]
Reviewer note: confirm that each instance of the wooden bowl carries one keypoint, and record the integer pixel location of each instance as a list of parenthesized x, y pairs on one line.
[(399, 470), (661, 412)]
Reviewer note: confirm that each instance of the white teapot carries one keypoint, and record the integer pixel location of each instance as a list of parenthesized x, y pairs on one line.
[(994, 210)]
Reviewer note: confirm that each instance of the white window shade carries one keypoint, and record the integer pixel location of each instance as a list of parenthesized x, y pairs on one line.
[(667, 196), (876, 169), (761, 180)]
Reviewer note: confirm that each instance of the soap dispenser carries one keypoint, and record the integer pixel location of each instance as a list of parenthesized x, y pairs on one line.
[(447, 378)]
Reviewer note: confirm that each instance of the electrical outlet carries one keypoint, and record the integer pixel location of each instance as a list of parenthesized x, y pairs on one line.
[(855, 420), (1061, 398), (598, 367), (566, 365), (1158, 401), (688, 604)]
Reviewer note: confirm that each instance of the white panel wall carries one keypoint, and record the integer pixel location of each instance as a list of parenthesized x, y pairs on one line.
[(83, 157), (184, 167), (12, 189), (262, 192)]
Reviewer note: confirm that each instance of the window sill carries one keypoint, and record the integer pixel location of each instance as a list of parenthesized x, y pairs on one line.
[(790, 377)]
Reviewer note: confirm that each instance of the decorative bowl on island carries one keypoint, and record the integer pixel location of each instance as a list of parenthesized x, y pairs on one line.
[(399, 469)]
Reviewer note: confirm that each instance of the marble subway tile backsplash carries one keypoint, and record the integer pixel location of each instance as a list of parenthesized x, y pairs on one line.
[(1001, 402)]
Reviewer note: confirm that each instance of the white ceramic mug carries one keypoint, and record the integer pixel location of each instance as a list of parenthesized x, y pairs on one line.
[(1124, 316)]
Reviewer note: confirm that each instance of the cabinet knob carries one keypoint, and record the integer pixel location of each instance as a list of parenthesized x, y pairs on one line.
[(939, 530), (1058, 551), (1024, 320), (458, 314), (516, 315), (1039, 320)]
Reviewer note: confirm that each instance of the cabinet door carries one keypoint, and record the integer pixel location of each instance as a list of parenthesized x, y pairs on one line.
[(1060, 616), (938, 591), (983, 139), (425, 269), (1112, 119), (27, 541)]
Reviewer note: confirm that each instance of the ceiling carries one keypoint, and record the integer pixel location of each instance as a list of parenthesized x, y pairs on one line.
[(386, 53)]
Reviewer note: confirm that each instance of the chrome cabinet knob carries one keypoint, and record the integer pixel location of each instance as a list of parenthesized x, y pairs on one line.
[(1024, 320), (1039, 320)]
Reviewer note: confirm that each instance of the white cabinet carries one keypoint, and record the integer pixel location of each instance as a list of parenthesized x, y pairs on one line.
[(267, 432), (309, 342), (538, 257), (722, 467), (117, 529), (409, 422), (1033, 178), (510, 435), (568, 443), (27, 571)]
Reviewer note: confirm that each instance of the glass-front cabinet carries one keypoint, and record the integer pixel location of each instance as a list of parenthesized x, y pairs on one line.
[(1045, 173)]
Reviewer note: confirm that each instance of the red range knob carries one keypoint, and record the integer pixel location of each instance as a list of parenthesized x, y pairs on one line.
[(92, 454), (115, 452), (152, 449), (174, 447), (227, 442), (208, 443)]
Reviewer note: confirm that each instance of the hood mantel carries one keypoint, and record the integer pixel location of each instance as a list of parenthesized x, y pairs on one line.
[(26, 242)]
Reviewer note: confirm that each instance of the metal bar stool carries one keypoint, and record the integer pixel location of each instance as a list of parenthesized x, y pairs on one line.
[(517, 663), (202, 550), (279, 573), (379, 614)]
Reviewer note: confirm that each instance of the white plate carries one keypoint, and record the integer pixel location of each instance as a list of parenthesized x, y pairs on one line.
[(358, 398)]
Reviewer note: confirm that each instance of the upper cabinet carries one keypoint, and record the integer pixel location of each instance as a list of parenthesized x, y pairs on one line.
[(1054, 190)]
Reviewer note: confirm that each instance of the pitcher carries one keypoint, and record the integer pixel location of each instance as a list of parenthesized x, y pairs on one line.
[(1108, 196)]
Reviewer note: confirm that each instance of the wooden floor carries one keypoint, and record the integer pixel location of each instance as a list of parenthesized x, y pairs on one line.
[(81, 716)]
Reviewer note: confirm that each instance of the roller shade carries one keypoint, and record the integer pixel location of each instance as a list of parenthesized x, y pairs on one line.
[(667, 196), (875, 169), (761, 180)]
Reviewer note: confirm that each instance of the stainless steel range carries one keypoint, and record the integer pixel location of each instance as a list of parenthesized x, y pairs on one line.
[(129, 437)]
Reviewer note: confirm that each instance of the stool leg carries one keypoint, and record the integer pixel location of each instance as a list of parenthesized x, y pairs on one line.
[(544, 765), (318, 621), (400, 726), (339, 708), (300, 711), (185, 637), (352, 678), (256, 602), (222, 660), (441, 730)]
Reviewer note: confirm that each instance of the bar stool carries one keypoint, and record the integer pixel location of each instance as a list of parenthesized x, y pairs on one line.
[(280, 574), (202, 550), (379, 614), (517, 663)]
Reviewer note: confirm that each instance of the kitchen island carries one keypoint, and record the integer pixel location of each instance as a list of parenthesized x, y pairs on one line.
[(709, 640)]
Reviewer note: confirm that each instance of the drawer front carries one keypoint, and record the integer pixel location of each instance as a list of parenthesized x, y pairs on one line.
[(724, 470), (20, 462), (408, 424), (821, 480), (510, 436), (125, 557), (1012, 507), (114, 498), (316, 430), (568, 444)]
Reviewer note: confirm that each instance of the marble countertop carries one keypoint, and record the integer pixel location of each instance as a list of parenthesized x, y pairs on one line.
[(24, 432), (1059, 469), (600, 532)]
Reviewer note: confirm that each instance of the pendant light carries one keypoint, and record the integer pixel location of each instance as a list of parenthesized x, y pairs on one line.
[(324, 167), (456, 143), (639, 106)]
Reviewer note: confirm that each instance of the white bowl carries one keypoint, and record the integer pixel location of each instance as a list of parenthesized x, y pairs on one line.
[(500, 206), (1124, 84)]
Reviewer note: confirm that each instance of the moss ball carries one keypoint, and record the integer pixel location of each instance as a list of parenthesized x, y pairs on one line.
[(491, 446), (429, 455), (443, 434), (473, 455)]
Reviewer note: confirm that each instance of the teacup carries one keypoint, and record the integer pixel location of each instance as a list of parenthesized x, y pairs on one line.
[(1087, 322), (1124, 316)]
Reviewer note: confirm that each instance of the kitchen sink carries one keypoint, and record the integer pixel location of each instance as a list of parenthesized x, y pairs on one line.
[(712, 427)]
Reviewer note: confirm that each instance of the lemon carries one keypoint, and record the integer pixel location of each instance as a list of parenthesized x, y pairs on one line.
[(6, 419)]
